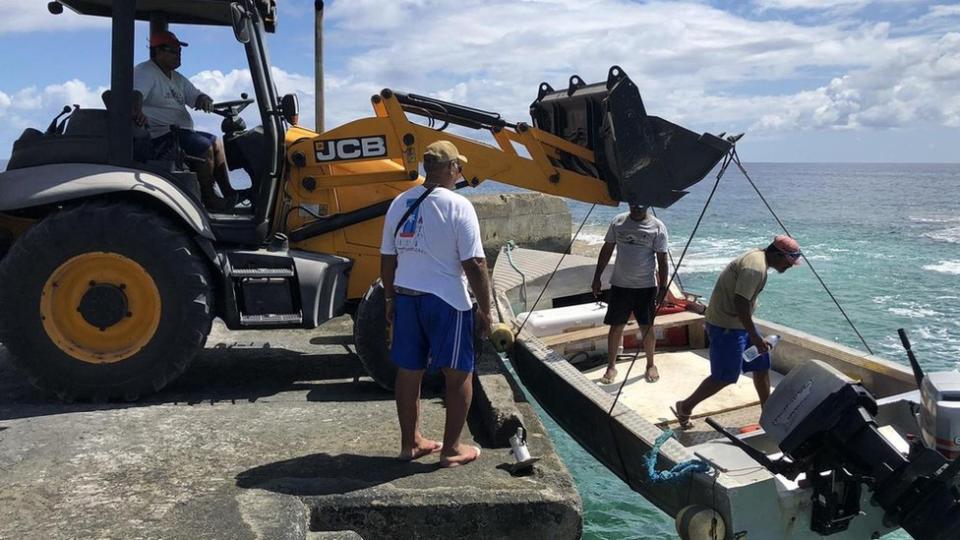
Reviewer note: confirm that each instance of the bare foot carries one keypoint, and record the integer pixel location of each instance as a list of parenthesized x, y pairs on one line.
[(652, 374), (609, 376), (465, 454), (423, 447)]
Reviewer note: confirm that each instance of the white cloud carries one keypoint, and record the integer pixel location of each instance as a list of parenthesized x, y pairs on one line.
[(52, 98), (32, 16), (833, 6), (809, 4), (693, 62), (696, 65)]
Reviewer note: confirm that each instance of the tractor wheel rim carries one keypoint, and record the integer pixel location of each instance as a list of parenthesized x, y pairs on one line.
[(100, 307)]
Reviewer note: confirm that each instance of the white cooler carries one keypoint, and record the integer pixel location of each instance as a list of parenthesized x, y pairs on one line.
[(550, 322)]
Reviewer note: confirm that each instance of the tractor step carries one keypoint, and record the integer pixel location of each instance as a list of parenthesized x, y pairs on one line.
[(262, 272), (261, 289), (284, 319)]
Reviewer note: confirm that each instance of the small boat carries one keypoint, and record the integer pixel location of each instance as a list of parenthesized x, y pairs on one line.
[(838, 450)]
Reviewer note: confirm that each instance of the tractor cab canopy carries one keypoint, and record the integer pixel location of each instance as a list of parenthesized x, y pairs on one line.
[(203, 12), (110, 136)]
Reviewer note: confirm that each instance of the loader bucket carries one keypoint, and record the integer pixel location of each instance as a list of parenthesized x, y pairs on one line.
[(645, 160)]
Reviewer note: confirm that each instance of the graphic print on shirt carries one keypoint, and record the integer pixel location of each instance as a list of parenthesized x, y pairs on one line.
[(407, 238), (174, 94), (635, 238)]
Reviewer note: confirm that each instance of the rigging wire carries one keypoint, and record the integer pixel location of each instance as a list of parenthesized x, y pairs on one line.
[(736, 159), (676, 269)]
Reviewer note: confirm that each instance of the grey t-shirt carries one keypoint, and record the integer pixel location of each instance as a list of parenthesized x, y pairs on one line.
[(637, 244), (165, 98)]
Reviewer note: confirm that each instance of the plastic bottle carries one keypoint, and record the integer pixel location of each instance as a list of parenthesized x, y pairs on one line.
[(751, 353)]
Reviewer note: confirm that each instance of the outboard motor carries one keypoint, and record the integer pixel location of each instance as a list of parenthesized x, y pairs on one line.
[(824, 423), (644, 159), (940, 412)]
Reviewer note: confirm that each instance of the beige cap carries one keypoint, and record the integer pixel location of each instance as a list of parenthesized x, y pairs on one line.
[(443, 151)]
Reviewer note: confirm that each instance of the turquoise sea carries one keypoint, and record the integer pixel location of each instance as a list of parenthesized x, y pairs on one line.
[(884, 237)]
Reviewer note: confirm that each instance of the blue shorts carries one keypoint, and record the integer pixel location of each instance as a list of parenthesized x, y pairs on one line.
[(193, 143), (726, 354), (429, 333)]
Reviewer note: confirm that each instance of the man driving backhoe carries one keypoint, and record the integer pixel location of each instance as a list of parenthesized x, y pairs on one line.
[(166, 94)]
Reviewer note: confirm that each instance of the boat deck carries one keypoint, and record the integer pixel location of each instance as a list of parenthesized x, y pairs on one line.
[(680, 374)]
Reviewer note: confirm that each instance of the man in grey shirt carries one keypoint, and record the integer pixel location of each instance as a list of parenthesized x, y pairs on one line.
[(166, 94), (639, 281)]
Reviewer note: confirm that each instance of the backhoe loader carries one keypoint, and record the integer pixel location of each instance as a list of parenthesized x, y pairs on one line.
[(112, 270)]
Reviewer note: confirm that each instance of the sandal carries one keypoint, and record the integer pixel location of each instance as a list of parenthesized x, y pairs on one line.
[(652, 378), (609, 377), (682, 419)]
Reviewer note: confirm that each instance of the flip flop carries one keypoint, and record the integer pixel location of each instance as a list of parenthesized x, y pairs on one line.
[(682, 419), (608, 379), (446, 463), (654, 378)]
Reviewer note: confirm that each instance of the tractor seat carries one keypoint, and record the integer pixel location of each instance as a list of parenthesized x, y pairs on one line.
[(83, 137)]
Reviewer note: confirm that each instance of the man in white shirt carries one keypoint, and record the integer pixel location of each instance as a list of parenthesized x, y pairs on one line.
[(431, 251), (638, 283), (166, 94)]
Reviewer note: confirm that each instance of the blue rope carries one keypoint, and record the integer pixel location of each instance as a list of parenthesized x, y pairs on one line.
[(678, 471)]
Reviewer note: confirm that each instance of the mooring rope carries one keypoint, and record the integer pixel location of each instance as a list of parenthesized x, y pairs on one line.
[(678, 471), (736, 159)]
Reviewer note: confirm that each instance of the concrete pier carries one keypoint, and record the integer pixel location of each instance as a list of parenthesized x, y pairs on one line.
[(269, 435), (531, 220)]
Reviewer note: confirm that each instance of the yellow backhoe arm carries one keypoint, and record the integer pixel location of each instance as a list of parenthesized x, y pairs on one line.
[(592, 143), (391, 136)]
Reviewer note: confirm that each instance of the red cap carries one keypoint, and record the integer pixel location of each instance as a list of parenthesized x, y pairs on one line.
[(788, 247), (165, 38)]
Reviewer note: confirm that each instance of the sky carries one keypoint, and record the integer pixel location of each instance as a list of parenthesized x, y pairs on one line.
[(807, 80)]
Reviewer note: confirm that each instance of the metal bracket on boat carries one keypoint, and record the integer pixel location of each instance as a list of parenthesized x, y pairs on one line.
[(783, 467)]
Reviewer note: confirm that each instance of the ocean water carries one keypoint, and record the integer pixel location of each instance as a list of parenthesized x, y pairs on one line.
[(884, 237)]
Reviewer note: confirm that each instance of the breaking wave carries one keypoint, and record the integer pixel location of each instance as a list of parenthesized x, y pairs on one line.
[(945, 267), (951, 235)]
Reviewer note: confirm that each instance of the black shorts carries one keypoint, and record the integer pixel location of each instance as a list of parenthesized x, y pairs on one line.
[(622, 301)]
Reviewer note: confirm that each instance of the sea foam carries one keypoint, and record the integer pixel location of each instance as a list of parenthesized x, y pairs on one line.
[(945, 267), (951, 235)]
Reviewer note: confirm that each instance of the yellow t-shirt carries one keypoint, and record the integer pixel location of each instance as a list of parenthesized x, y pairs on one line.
[(744, 276)]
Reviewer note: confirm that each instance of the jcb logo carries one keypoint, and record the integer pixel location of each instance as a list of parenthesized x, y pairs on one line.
[(359, 148)]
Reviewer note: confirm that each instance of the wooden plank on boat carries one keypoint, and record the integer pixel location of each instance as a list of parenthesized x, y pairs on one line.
[(662, 321)]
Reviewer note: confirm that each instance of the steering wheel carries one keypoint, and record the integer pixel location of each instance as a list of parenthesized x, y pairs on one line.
[(227, 109)]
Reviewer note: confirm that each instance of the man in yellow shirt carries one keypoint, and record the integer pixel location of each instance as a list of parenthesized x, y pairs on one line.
[(730, 323)]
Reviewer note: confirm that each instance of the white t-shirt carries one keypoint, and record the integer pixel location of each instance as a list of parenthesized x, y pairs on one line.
[(637, 245), (164, 98), (441, 233)]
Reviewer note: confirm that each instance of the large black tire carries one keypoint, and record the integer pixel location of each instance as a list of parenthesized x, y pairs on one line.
[(162, 252), (371, 339)]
